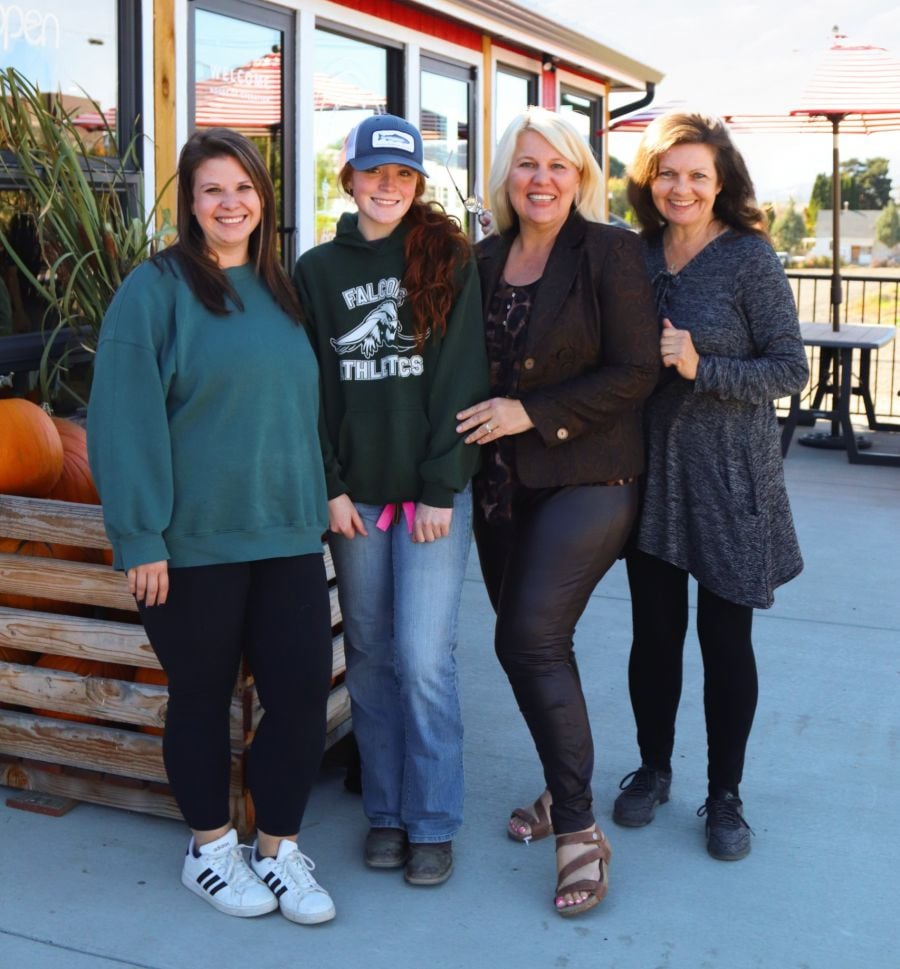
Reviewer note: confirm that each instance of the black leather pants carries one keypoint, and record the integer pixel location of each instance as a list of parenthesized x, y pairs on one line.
[(540, 569)]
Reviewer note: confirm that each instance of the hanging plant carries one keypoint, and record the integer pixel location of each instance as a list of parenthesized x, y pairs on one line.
[(83, 216)]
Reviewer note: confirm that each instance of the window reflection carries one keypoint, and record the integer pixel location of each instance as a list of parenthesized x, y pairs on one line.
[(69, 50), (21, 310), (350, 83), (515, 92), (445, 133), (238, 83)]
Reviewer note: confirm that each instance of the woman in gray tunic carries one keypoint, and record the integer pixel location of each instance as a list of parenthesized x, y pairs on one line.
[(714, 503)]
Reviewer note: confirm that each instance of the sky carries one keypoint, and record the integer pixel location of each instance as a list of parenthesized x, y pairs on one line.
[(751, 56)]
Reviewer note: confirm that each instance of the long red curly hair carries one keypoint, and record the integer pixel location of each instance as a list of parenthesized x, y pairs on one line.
[(434, 249)]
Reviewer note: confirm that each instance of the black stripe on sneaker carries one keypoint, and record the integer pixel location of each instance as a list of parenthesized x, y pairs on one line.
[(218, 888)]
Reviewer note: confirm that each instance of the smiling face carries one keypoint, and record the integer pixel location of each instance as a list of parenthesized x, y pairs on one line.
[(383, 196), (227, 208), (686, 185), (541, 184)]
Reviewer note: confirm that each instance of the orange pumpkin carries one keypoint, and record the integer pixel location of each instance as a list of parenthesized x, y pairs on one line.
[(31, 453), (83, 667), (70, 553), (158, 678), (75, 482)]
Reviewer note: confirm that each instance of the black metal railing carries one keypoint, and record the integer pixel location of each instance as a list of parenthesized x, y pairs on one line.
[(867, 298)]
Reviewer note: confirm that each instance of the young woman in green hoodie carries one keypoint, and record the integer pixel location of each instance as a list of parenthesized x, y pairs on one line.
[(393, 306), (202, 433)]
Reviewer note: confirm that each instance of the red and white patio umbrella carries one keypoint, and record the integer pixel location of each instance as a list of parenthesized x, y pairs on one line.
[(855, 89)]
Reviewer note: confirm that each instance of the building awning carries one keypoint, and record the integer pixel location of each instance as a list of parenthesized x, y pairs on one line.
[(523, 26)]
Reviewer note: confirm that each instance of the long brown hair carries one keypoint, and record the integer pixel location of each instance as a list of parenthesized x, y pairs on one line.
[(735, 205), (434, 249), (206, 279)]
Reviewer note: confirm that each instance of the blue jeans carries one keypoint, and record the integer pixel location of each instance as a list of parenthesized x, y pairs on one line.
[(400, 603)]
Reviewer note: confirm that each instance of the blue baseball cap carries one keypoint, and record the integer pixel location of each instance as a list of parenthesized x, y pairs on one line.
[(385, 139)]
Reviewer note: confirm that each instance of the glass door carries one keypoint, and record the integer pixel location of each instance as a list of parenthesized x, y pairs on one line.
[(242, 77)]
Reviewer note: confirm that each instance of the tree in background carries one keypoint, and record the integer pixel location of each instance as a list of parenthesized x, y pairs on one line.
[(887, 228), (864, 185), (618, 196), (788, 229), (616, 168)]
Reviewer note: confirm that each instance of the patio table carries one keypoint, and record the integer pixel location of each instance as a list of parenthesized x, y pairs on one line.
[(836, 366)]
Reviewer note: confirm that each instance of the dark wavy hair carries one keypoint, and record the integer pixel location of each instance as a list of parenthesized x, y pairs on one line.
[(735, 205), (434, 249), (199, 266)]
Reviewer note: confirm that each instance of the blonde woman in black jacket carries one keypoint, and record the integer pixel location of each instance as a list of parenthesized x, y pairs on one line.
[(572, 337)]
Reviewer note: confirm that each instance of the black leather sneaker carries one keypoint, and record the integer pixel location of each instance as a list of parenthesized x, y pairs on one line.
[(429, 864), (727, 833), (642, 790)]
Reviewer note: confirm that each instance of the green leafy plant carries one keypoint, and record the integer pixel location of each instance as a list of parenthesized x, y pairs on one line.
[(88, 214)]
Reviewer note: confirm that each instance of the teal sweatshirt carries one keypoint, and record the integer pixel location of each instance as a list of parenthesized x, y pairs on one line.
[(202, 429), (389, 407)]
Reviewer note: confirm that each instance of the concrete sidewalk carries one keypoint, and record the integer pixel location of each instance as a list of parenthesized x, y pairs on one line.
[(99, 888)]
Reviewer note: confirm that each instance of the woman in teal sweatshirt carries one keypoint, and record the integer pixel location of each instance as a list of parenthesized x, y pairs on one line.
[(394, 309), (202, 434)]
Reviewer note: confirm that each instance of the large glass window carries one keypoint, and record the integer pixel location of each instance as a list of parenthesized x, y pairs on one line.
[(514, 92), (70, 51), (85, 58), (351, 81), (242, 73), (584, 111), (448, 92)]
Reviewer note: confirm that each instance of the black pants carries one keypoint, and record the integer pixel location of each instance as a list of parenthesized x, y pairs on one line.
[(540, 570), (276, 613), (659, 605)]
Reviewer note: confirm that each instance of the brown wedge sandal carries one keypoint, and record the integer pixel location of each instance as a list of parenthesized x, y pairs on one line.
[(598, 849), (537, 817)]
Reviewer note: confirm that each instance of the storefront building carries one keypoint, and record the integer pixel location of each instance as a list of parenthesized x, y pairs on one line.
[(296, 76)]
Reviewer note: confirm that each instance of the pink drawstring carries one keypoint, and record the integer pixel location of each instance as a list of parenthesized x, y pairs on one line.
[(391, 514)]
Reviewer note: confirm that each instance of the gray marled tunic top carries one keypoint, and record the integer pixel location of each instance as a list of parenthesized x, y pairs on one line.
[(715, 502)]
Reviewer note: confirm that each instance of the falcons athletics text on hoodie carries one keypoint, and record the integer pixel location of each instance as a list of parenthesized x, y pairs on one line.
[(389, 406)]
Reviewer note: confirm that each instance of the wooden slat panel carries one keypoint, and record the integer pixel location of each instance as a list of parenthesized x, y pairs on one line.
[(81, 745), (89, 786), (99, 639), (335, 606), (82, 582), (89, 696), (338, 707), (43, 520), (338, 663)]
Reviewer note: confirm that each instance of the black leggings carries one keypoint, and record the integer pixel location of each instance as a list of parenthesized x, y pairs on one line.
[(659, 607), (540, 570), (276, 613)]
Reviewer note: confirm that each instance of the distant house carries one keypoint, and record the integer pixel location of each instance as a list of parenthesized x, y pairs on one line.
[(858, 243)]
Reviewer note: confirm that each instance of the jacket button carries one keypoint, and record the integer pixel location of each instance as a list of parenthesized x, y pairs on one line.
[(528, 363), (562, 434)]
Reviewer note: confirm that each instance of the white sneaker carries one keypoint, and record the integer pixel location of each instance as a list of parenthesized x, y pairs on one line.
[(289, 876), (222, 876)]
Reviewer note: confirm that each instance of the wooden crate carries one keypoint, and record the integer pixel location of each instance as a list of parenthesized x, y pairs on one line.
[(118, 761)]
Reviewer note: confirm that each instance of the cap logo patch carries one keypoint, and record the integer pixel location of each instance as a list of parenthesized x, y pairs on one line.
[(389, 138)]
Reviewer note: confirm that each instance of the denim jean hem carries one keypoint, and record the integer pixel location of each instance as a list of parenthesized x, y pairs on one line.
[(433, 839)]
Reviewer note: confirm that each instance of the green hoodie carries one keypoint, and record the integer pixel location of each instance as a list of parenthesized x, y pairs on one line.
[(389, 407), (202, 429)]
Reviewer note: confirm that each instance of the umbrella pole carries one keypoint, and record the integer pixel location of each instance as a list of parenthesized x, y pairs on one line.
[(835, 120)]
